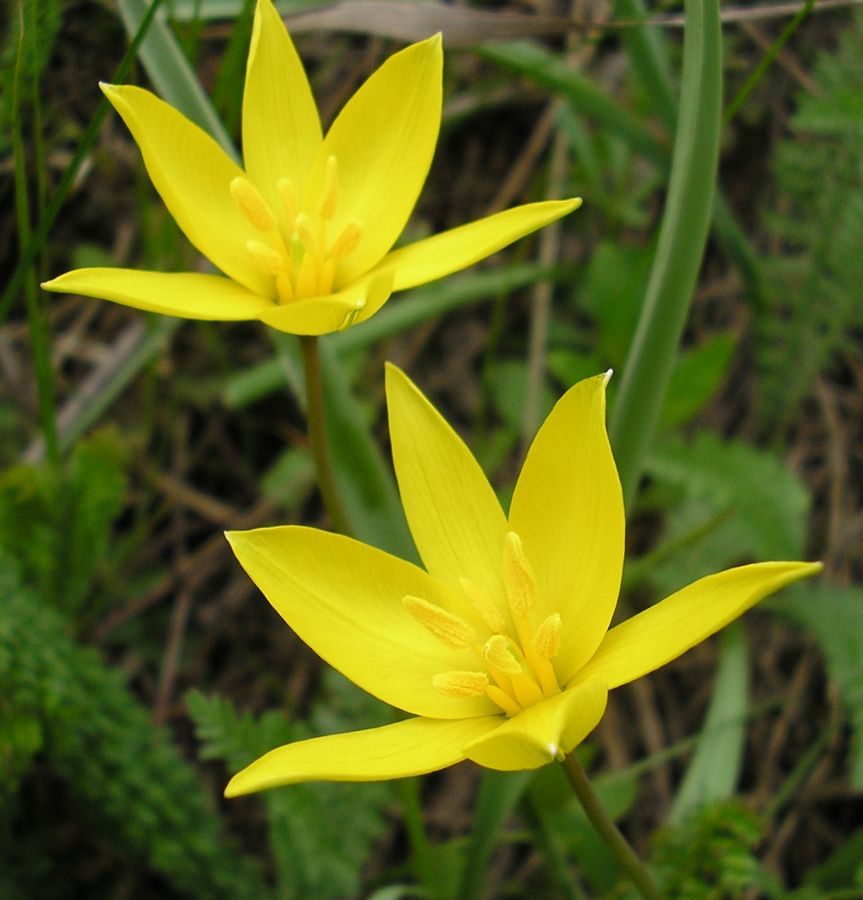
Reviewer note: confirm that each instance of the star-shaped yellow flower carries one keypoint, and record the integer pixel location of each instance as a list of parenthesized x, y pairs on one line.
[(304, 233), (501, 650)]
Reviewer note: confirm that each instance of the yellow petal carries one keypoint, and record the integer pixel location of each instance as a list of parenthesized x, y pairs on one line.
[(344, 599), (453, 513), (568, 509), (193, 176), (456, 249), (412, 747), (544, 732), (281, 128), (665, 631), (184, 294), (335, 312), (383, 141)]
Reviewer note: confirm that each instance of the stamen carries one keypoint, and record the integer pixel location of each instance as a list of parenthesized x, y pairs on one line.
[(268, 259), (330, 193), (304, 228), (327, 274), (347, 240), (503, 700), (483, 604), (547, 637), (453, 631), (518, 580), (284, 286), (252, 204), (526, 690), (461, 684), (286, 191), (307, 277), (497, 653)]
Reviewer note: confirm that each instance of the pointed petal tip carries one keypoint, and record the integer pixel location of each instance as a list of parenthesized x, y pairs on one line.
[(608, 376), (232, 789)]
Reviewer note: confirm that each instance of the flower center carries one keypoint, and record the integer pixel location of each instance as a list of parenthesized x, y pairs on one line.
[(514, 666), (298, 248)]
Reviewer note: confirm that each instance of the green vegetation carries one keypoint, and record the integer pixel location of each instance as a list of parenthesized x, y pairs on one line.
[(138, 666)]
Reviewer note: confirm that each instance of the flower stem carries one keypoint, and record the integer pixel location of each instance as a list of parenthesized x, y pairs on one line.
[(318, 435), (608, 831)]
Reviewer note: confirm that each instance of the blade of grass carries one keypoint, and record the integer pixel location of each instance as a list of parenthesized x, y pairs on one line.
[(232, 71), (172, 74), (682, 238), (714, 772), (39, 334), (37, 240), (499, 793), (648, 55), (547, 69), (766, 61)]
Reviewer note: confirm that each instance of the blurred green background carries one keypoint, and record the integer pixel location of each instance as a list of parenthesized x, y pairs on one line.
[(139, 666)]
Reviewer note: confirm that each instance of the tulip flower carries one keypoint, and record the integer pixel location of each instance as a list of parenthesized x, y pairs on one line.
[(500, 649), (304, 233)]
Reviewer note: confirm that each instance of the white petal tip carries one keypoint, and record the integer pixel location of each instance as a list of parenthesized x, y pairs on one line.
[(608, 375)]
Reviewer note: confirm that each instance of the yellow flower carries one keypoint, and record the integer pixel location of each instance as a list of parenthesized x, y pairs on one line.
[(304, 233), (501, 650)]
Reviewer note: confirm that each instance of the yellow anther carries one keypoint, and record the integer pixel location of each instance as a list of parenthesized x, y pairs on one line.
[(497, 652), (547, 637), (268, 259), (449, 628), (285, 187), (346, 241), (460, 684), (518, 580), (484, 605), (330, 193), (252, 204)]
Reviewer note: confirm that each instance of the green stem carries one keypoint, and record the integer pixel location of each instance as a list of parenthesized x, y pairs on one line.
[(682, 237), (318, 435), (608, 831), (39, 334)]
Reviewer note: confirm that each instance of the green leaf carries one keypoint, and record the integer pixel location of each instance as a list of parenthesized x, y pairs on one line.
[(680, 246), (768, 503), (714, 771), (697, 375)]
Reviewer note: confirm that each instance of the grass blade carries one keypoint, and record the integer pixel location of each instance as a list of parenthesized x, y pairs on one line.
[(682, 237)]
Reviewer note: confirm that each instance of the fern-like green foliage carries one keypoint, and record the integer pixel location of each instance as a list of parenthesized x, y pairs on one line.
[(710, 855), (60, 700), (815, 281), (55, 522), (317, 850), (29, 29)]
